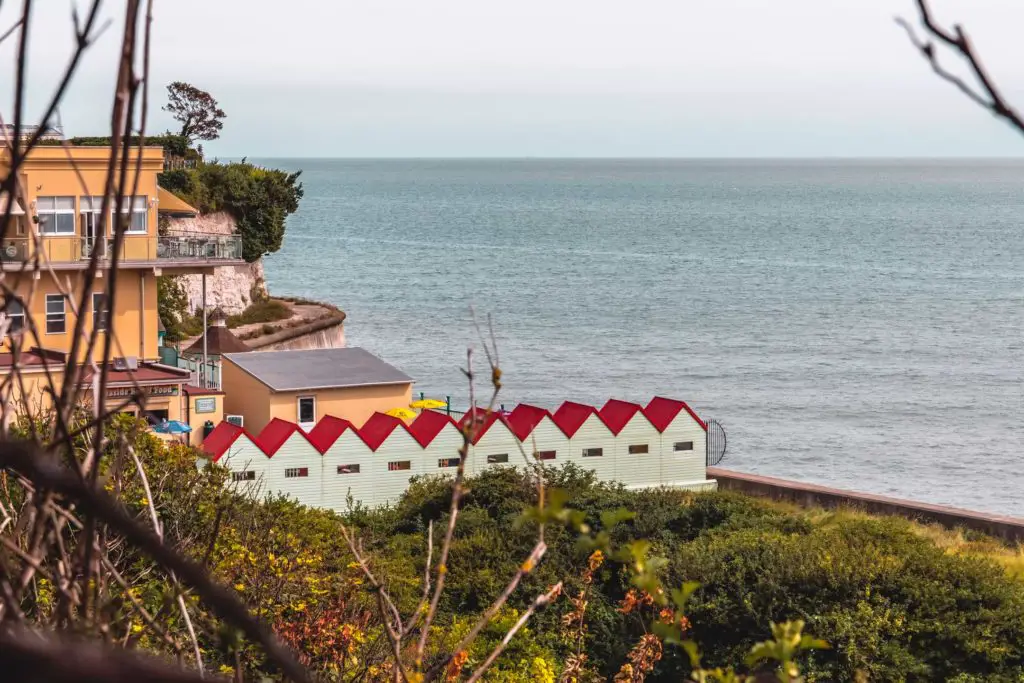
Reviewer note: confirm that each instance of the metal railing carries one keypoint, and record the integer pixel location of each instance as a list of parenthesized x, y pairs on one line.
[(75, 248)]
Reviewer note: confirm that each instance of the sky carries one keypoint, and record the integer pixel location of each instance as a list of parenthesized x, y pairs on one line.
[(546, 78)]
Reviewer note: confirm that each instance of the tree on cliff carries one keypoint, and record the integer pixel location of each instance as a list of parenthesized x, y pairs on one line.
[(196, 110)]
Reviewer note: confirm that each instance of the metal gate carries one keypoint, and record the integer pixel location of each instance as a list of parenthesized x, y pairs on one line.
[(716, 443)]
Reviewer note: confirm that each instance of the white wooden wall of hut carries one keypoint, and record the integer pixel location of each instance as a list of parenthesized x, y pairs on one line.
[(638, 469), (296, 454), (349, 451), (445, 446), (245, 456), (547, 436), (681, 467), (497, 440), (389, 484), (594, 433)]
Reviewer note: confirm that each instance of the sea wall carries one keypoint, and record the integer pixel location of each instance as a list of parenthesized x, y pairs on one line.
[(230, 288), (812, 495), (326, 333)]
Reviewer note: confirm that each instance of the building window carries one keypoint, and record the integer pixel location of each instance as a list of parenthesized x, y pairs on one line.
[(55, 318), (16, 314), (399, 465), (638, 449), (136, 212), (448, 462), (307, 409), (100, 314), (593, 452), (247, 475), (348, 469), (683, 446), (546, 455), (293, 472), (497, 458), (56, 215)]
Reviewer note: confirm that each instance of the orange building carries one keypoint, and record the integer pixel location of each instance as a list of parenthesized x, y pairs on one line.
[(56, 228)]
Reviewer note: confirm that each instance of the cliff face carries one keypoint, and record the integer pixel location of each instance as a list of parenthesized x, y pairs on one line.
[(230, 287)]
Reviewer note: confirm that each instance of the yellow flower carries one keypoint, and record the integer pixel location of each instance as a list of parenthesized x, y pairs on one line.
[(239, 586)]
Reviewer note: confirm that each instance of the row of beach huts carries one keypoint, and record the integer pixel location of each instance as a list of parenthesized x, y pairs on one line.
[(660, 444)]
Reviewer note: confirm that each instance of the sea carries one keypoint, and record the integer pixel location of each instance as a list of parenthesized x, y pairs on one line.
[(856, 324)]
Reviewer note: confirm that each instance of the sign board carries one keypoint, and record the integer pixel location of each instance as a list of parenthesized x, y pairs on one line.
[(206, 405), (155, 390)]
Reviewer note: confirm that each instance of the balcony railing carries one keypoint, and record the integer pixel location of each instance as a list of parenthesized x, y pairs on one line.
[(197, 247)]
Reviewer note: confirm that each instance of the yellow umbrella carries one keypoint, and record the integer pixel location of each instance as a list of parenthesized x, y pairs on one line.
[(428, 404), (401, 413)]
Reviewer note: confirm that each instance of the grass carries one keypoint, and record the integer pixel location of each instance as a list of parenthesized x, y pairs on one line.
[(266, 311)]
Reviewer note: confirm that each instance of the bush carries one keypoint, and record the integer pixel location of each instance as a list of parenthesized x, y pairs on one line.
[(266, 311)]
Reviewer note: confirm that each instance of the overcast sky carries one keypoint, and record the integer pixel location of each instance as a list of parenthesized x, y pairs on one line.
[(692, 78)]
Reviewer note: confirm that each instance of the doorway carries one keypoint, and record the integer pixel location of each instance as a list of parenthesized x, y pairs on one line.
[(92, 234)]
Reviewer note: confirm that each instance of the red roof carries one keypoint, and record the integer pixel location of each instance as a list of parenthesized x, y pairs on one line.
[(524, 419), (221, 439), (570, 416), (328, 430), (617, 414), (661, 411), (378, 428), (424, 429), (275, 434), (193, 390), (427, 425)]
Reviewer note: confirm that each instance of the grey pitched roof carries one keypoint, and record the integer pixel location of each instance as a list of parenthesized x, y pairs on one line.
[(318, 368)]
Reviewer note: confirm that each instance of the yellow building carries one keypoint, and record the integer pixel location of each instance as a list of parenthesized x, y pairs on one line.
[(45, 254), (304, 386)]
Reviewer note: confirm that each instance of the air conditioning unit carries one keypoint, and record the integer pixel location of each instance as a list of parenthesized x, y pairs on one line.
[(132, 362), (236, 420), (120, 363)]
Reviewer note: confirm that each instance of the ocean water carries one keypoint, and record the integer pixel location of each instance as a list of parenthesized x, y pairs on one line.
[(851, 323)]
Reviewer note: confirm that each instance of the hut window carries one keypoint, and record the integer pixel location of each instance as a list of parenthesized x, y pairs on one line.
[(307, 409), (399, 465), (546, 455), (248, 475), (348, 469), (593, 452), (683, 446), (296, 472), (497, 458), (448, 462), (99, 311), (638, 448)]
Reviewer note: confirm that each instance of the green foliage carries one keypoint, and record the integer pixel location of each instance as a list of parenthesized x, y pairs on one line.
[(172, 307), (259, 199), (890, 602), (196, 110), (174, 145), (265, 311)]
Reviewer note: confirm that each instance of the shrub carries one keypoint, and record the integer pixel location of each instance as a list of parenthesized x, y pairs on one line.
[(264, 311)]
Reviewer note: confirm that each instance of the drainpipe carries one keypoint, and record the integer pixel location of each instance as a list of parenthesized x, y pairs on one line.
[(206, 360), (142, 315)]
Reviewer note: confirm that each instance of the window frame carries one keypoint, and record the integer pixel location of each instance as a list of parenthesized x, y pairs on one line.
[(106, 312), (634, 449), (352, 468), (63, 313), (686, 446), (132, 209), (55, 212), (298, 409), (547, 455), (296, 472), (244, 475), (448, 462), (589, 452), (497, 459), (17, 318), (399, 465)]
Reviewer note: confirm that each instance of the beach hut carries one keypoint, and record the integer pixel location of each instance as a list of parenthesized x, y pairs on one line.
[(683, 438), (440, 439), (232, 447), (494, 444), (296, 466), (346, 464), (637, 444), (540, 436), (591, 442), (397, 457)]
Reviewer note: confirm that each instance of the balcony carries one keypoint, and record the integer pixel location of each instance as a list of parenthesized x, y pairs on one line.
[(74, 252)]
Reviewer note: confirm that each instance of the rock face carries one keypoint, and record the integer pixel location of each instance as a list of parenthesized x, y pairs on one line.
[(230, 287)]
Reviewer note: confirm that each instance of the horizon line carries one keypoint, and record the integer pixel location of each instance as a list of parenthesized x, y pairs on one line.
[(624, 158)]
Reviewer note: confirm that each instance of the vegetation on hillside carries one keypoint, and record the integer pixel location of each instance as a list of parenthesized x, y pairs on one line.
[(893, 604)]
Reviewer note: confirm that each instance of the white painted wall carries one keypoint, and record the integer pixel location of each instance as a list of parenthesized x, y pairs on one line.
[(349, 449), (389, 486), (593, 433), (680, 467), (638, 469), (497, 439), (296, 452), (446, 444)]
